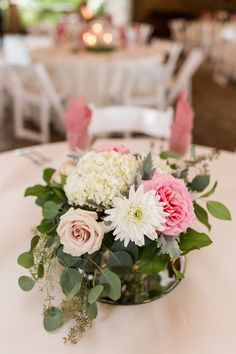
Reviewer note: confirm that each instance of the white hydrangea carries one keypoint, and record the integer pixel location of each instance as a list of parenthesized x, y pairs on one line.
[(99, 177), (160, 165)]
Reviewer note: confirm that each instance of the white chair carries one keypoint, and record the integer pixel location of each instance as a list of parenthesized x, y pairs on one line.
[(183, 79), (156, 75), (128, 119), (30, 87)]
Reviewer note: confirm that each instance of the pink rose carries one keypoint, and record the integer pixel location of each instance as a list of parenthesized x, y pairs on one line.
[(79, 232), (113, 147), (177, 199)]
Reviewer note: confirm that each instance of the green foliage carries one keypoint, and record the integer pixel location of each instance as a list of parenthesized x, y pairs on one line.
[(218, 210), (37, 191), (50, 210), (210, 192), (66, 259), (47, 227), (152, 261), (179, 275), (200, 182), (71, 279), (120, 262), (53, 318), (40, 270), (34, 242), (132, 249), (192, 240), (26, 260), (26, 283), (92, 310), (147, 167), (201, 215), (112, 284), (94, 293), (47, 174), (164, 155)]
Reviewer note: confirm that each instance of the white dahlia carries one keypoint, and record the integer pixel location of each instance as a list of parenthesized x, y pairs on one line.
[(99, 177), (137, 216)]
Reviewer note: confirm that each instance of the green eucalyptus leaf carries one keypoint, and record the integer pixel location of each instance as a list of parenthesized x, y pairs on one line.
[(164, 155), (40, 271), (34, 242), (201, 215), (47, 174), (66, 259), (50, 210), (37, 191), (148, 167), (26, 260), (46, 226), (131, 248), (94, 293), (120, 262), (53, 318), (74, 291), (26, 283), (69, 279), (218, 210), (193, 240), (211, 191), (152, 261), (92, 310), (200, 182), (112, 284)]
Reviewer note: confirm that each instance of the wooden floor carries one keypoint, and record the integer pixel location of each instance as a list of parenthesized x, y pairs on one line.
[(215, 118)]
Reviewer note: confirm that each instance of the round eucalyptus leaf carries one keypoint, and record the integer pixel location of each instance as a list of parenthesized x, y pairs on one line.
[(53, 318), (94, 293), (26, 283), (26, 260)]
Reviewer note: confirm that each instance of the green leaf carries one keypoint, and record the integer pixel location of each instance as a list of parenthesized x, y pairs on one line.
[(26, 260), (34, 242), (94, 293), (69, 278), (192, 240), (211, 191), (218, 210), (201, 215), (47, 174), (132, 249), (148, 168), (50, 210), (164, 155), (120, 262), (179, 275), (46, 227), (37, 191), (26, 283), (51, 240), (40, 271), (53, 319), (92, 310), (152, 261), (112, 284), (200, 182), (74, 291), (66, 258)]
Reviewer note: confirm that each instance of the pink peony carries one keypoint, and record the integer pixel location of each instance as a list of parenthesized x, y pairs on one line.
[(113, 147), (178, 203)]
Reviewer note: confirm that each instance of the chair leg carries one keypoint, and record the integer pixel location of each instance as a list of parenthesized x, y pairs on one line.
[(45, 121)]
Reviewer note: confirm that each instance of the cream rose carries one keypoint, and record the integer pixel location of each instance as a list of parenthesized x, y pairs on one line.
[(80, 232), (64, 170)]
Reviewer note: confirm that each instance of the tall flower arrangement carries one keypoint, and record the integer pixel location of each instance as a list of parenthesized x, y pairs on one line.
[(108, 213)]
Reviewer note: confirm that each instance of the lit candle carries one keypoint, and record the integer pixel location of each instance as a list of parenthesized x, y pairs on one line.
[(107, 38), (89, 39), (97, 28)]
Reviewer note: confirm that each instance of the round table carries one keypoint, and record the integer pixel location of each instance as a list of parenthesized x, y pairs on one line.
[(97, 76), (197, 317)]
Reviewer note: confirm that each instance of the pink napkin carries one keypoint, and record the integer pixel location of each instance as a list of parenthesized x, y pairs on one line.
[(77, 120), (181, 130)]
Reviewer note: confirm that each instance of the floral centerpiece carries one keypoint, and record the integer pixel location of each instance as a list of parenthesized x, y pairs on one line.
[(115, 228)]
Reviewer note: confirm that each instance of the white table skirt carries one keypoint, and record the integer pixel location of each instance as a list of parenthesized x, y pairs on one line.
[(197, 317), (97, 76)]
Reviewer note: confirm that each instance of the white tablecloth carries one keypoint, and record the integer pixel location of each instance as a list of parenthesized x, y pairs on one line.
[(97, 76), (197, 317)]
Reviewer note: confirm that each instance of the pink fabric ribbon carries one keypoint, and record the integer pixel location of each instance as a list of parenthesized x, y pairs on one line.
[(77, 120), (181, 130)]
